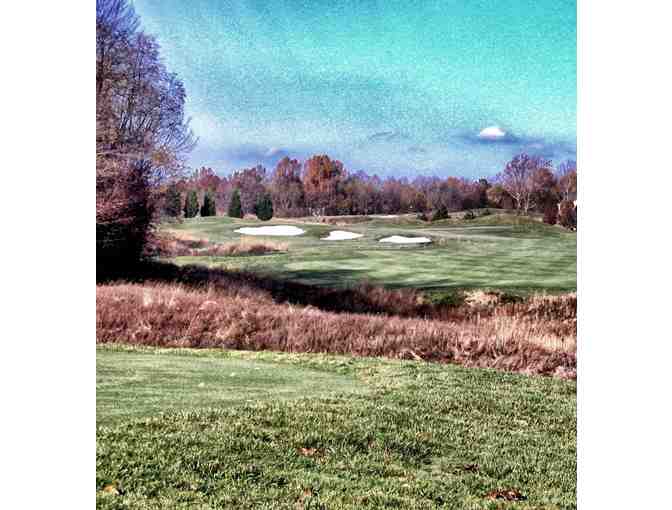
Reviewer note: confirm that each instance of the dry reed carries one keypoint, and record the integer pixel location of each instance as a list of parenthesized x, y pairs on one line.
[(536, 336)]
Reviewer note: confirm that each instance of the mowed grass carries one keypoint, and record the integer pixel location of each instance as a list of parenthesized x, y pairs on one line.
[(143, 383), (315, 431), (501, 251)]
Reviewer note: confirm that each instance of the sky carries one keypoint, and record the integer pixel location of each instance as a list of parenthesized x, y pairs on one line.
[(392, 87)]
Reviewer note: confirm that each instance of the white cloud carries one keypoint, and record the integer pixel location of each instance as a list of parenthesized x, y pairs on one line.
[(273, 151), (492, 132)]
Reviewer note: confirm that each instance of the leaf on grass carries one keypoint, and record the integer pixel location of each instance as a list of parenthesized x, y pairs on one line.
[(111, 489), (472, 468), (304, 498), (506, 494), (308, 452)]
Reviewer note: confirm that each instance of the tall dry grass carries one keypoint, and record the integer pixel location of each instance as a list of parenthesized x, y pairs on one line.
[(537, 336), (180, 244), (363, 298)]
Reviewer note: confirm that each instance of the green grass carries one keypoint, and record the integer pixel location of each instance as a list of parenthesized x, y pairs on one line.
[(143, 383), (375, 433), (499, 251)]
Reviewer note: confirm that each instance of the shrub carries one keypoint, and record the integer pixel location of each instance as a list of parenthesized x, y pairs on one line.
[(469, 215), (180, 245), (124, 214), (567, 214), (235, 207), (208, 207), (441, 214), (486, 212), (191, 205), (447, 298), (551, 214), (264, 208)]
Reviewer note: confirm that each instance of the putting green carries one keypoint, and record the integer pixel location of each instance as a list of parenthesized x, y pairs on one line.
[(499, 251)]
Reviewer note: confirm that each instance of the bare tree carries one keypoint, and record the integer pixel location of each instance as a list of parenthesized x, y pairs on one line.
[(567, 179), (142, 136), (519, 180)]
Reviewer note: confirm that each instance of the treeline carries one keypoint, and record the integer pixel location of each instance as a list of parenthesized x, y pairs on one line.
[(322, 186)]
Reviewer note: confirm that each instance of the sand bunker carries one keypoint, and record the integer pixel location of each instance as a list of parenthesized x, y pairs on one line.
[(275, 230), (341, 235), (406, 240)]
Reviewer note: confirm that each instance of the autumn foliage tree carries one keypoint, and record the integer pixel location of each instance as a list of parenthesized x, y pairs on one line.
[(567, 216), (322, 181), (250, 182), (551, 214), (361, 194), (287, 191), (497, 196)]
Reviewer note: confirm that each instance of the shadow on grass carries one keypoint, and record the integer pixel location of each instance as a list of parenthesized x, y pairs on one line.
[(354, 296), (357, 298)]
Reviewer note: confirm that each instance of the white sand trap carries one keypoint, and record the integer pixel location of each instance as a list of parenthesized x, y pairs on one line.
[(341, 235), (275, 230), (406, 240)]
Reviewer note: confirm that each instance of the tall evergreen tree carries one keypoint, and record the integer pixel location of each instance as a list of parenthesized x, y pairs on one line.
[(173, 201), (235, 207), (264, 208), (191, 204), (208, 207)]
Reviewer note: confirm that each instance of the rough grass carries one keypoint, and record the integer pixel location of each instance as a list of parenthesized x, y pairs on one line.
[(363, 297), (181, 244), (537, 336), (497, 252), (421, 436)]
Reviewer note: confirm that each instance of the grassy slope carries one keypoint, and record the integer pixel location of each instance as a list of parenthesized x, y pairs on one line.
[(143, 383), (390, 434), (498, 252)]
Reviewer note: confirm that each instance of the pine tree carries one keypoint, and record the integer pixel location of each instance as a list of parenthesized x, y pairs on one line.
[(191, 205), (235, 208), (208, 207), (264, 208), (173, 203)]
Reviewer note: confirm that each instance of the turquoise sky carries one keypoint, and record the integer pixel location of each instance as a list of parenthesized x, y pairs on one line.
[(389, 87)]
